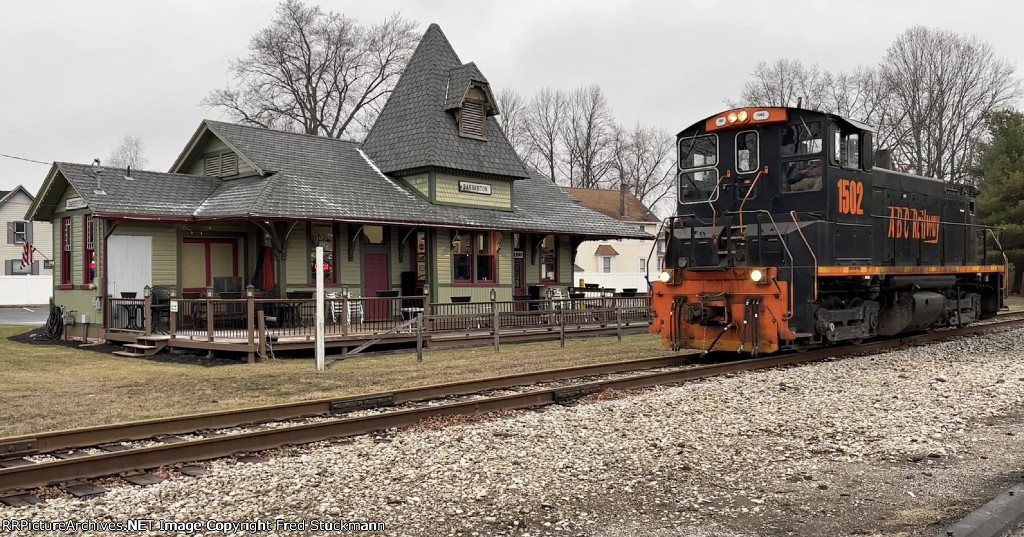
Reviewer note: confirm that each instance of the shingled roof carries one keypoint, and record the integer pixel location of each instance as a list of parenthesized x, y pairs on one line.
[(609, 203), (108, 191), (416, 128), (314, 178)]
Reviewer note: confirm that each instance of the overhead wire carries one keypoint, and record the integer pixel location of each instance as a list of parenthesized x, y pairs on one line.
[(25, 159)]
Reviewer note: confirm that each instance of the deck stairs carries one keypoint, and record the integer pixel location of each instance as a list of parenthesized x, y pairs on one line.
[(143, 346)]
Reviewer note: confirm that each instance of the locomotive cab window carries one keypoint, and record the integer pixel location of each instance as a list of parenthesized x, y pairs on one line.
[(802, 138), (746, 152), (802, 176), (846, 148)]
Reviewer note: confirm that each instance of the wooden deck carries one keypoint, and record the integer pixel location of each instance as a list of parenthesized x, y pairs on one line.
[(241, 326)]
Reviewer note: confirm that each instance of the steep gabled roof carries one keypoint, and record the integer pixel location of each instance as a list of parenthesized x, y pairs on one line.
[(416, 128), (609, 203), (145, 194), (8, 194)]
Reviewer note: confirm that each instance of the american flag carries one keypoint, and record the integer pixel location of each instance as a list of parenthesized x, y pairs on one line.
[(26, 255)]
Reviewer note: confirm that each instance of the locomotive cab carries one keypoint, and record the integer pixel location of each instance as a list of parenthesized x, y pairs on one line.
[(787, 235)]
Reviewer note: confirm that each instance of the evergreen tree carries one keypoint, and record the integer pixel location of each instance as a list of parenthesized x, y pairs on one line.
[(1001, 202)]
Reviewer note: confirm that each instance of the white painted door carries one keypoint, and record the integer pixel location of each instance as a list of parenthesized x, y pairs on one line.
[(130, 264)]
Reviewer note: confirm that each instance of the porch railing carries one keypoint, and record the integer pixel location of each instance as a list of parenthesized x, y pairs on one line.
[(236, 320)]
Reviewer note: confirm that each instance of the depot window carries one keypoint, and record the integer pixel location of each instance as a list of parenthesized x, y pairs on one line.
[(473, 258), (89, 263), (549, 259), (322, 235)]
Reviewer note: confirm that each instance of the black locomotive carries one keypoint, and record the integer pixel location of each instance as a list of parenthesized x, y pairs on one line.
[(788, 234)]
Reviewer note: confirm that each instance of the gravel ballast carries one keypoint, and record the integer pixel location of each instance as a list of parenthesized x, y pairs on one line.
[(897, 443)]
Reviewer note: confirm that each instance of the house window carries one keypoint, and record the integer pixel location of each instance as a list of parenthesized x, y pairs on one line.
[(89, 261), (13, 267), (20, 232), (549, 259), (65, 250), (606, 264), (643, 265), (322, 235), (473, 258)]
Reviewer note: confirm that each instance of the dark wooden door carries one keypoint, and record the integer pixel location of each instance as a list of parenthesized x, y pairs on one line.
[(376, 279), (518, 280)]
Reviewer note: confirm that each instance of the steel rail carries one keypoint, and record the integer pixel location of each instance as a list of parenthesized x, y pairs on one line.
[(42, 474), (33, 444)]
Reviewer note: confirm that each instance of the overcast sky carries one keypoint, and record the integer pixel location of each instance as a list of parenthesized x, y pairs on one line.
[(78, 76)]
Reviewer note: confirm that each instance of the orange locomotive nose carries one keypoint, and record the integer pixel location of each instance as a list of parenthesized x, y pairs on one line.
[(739, 309)]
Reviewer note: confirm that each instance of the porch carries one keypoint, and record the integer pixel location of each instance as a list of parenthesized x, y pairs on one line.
[(254, 326)]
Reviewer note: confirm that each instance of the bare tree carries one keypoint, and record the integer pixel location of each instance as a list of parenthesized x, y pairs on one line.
[(512, 118), (643, 160), (317, 72), (784, 82), (588, 136), (129, 152), (943, 85), (544, 122)]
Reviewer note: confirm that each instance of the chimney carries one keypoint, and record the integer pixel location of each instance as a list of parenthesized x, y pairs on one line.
[(883, 158), (622, 199)]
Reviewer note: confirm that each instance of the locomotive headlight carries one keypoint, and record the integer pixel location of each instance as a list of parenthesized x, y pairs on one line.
[(741, 116), (732, 117), (756, 276), (665, 276)]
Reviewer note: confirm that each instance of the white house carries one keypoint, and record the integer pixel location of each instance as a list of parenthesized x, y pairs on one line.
[(32, 284), (623, 263)]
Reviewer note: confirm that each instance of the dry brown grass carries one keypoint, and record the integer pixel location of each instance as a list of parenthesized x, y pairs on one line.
[(45, 388)]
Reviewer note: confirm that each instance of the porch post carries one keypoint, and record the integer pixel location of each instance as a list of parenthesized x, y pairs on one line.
[(209, 313), (320, 366), (172, 313), (250, 314), (147, 312)]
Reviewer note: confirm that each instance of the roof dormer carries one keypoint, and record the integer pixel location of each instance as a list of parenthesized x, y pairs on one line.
[(470, 97)]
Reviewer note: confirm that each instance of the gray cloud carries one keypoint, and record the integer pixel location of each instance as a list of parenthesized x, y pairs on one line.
[(79, 76)]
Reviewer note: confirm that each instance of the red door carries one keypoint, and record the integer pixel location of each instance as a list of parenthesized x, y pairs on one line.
[(375, 279)]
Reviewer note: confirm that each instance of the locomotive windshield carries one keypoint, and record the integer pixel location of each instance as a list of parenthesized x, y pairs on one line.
[(697, 157), (698, 151)]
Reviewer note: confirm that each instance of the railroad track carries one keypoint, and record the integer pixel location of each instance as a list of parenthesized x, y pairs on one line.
[(110, 454)]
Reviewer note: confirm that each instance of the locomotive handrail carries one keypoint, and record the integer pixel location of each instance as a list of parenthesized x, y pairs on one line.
[(792, 214), (753, 185), (713, 198), (1006, 261), (792, 261)]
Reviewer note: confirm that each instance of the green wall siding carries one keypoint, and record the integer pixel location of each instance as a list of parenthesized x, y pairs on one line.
[(419, 183)]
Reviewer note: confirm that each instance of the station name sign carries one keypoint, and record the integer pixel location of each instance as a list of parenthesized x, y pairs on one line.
[(475, 188), (71, 204)]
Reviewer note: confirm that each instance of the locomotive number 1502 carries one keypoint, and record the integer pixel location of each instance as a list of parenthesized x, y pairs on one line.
[(851, 197)]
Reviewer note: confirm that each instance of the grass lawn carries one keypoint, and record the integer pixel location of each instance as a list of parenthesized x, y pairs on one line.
[(44, 387)]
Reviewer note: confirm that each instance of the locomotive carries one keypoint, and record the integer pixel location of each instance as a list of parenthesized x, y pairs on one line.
[(787, 235)]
